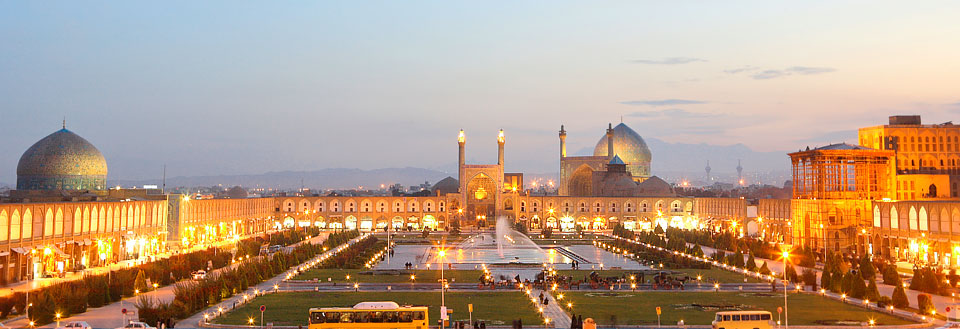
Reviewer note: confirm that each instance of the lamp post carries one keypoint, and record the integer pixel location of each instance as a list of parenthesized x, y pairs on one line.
[(786, 258), (443, 281)]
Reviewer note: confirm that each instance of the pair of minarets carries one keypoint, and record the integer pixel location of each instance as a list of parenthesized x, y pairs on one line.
[(462, 140)]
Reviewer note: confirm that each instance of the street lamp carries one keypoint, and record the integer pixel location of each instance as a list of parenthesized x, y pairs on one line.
[(440, 255), (786, 258)]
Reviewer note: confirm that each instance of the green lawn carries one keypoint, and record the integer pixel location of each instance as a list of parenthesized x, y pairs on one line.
[(290, 309), (432, 276), (709, 276), (696, 308)]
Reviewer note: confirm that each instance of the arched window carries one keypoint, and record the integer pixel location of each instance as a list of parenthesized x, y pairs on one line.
[(876, 216), (894, 218), (77, 222), (924, 224), (95, 216), (913, 218), (15, 225), (48, 222), (4, 225), (30, 229)]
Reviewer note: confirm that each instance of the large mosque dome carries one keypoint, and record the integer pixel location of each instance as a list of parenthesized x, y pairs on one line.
[(62, 161), (630, 147)]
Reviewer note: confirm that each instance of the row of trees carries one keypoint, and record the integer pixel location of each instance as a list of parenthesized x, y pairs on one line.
[(192, 296), (74, 297)]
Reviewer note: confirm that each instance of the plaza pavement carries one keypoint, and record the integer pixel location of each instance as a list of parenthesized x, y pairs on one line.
[(111, 316)]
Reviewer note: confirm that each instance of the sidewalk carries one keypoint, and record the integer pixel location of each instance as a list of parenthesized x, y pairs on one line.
[(29, 285), (110, 316)]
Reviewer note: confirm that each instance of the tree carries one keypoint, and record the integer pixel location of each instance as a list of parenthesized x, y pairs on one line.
[(867, 270), (825, 280), (917, 281), (764, 269), (752, 263), (925, 304), (872, 292), (547, 232), (658, 230), (424, 234), (900, 297), (792, 273), (890, 275), (810, 278), (858, 289), (140, 283), (846, 285)]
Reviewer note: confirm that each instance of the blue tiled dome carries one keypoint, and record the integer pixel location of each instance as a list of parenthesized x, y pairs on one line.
[(630, 147), (62, 161)]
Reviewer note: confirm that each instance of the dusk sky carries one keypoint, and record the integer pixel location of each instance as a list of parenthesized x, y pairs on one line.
[(211, 87)]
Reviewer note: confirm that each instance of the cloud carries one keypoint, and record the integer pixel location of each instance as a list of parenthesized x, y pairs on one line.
[(798, 70), (663, 102), (674, 113), (669, 61), (747, 68)]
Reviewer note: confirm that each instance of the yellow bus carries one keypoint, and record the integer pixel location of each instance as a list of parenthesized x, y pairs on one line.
[(373, 315), (743, 320)]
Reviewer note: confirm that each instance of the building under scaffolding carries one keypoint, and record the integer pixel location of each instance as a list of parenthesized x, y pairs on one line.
[(832, 189)]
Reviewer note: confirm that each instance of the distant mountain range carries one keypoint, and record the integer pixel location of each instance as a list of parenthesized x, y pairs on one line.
[(332, 178), (671, 161)]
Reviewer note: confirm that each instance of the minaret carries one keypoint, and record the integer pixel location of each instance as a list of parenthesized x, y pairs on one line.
[(708, 170), (500, 141), (739, 172), (461, 139), (610, 153), (563, 142)]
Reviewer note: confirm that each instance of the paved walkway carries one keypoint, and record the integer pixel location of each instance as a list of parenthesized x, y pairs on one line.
[(239, 299), (29, 285), (111, 316), (558, 317)]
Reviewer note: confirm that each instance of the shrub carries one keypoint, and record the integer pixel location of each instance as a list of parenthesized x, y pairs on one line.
[(792, 273), (867, 271), (917, 282), (764, 269), (857, 288), (925, 304), (872, 292), (899, 298), (890, 275), (752, 264), (825, 278), (810, 278)]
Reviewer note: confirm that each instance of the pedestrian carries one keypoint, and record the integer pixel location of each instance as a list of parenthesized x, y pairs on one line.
[(483, 325)]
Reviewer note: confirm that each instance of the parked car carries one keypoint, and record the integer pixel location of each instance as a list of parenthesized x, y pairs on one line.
[(76, 325), (199, 275), (137, 325)]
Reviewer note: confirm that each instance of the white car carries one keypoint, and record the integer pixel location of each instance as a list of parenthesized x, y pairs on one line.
[(199, 275), (77, 325), (137, 325)]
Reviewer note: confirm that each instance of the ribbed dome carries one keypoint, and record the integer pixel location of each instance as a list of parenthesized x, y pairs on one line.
[(630, 147), (62, 161)]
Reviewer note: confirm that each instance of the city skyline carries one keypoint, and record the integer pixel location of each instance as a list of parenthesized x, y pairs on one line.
[(204, 92)]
